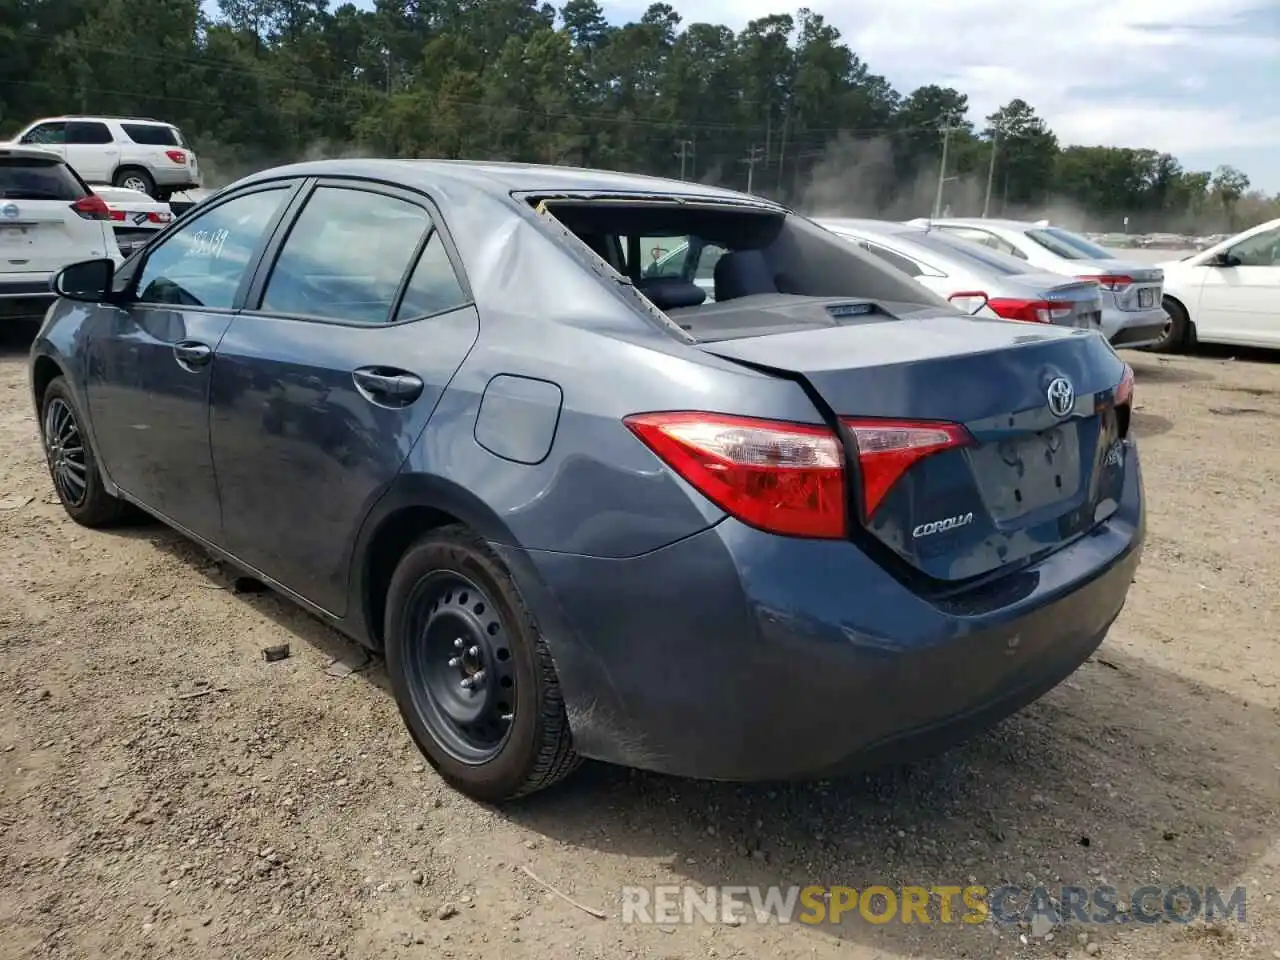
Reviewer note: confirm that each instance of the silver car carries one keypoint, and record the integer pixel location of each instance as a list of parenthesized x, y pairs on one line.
[(976, 279), (1132, 314)]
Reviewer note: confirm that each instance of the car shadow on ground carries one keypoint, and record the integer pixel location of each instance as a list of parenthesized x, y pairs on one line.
[(1149, 424), (1127, 775), (1155, 367)]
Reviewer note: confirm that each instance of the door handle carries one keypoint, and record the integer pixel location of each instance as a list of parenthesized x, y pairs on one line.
[(387, 386), (190, 354)]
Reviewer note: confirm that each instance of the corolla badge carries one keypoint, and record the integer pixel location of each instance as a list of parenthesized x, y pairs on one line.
[(9, 211), (1061, 396)]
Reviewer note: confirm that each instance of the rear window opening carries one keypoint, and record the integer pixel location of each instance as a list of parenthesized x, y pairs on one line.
[(154, 134), (725, 271), (34, 178)]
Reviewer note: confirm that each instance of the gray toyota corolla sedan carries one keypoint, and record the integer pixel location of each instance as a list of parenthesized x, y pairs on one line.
[(817, 524)]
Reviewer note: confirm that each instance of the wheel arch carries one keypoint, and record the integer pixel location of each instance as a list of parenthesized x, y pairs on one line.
[(413, 507), (44, 370)]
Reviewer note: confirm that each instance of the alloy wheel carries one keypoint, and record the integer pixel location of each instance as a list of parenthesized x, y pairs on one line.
[(64, 446)]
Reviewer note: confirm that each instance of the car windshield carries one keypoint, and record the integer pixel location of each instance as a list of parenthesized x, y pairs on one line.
[(972, 253), (1068, 245)]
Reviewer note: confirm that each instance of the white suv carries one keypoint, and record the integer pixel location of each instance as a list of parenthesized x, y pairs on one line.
[(49, 218), (140, 154)]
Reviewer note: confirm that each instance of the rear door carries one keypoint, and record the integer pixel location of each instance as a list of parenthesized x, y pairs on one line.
[(322, 388), (40, 231), (90, 150), (149, 363)]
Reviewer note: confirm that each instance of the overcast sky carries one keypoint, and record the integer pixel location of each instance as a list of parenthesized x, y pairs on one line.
[(1197, 78)]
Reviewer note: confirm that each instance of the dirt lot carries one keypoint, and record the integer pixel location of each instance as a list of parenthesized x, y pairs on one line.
[(165, 792)]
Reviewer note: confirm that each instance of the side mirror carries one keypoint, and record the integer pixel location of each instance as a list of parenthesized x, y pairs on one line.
[(88, 281), (969, 302), (1223, 259)]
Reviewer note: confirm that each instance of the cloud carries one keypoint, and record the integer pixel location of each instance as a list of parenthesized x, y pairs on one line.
[(1183, 76)]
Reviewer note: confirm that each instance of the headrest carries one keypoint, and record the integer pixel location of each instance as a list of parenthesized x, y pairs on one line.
[(670, 293), (742, 274)]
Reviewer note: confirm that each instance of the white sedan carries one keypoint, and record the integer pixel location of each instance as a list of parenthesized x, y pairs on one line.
[(1227, 293)]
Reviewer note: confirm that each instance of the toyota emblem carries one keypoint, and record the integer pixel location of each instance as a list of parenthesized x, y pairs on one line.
[(1061, 396), (9, 211)]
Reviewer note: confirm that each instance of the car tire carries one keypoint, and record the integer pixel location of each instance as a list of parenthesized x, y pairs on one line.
[(135, 178), (72, 466), (471, 672), (1178, 333)]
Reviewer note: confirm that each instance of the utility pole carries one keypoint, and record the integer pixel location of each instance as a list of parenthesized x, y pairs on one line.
[(686, 154), (991, 172), (752, 158), (942, 171)]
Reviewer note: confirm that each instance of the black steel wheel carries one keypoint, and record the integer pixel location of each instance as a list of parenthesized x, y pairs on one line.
[(471, 672), (462, 676), (71, 464)]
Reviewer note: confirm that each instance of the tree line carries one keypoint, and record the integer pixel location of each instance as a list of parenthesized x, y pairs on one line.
[(783, 107)]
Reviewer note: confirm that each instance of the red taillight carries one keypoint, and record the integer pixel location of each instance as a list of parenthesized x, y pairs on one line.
[(1124, 390), (889, 448), (117, 215), (1110, 281), (177, 156), (786, 478), (92, 207), (1030, 311), (159, 217)]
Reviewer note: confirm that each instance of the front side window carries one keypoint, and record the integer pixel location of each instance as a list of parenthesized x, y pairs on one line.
[(50, 133), (203, 263), (1260, 250), (345, 256)]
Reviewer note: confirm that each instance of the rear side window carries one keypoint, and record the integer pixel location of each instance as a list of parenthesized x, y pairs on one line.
[(434, 287), (152, 134), (346, 255), (25, 178), (202, 264), (85, 131)]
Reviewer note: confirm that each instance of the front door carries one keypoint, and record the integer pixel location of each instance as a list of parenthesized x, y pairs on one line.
[(150, 360), (1241, 303), (321, 390)]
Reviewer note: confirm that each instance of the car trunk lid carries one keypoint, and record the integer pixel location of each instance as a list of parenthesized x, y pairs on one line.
[(1135, 286), (1041, 463)]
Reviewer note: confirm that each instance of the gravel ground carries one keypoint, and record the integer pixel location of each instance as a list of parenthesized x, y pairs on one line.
[(166, 792)]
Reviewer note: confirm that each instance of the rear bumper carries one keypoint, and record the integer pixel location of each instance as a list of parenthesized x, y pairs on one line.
[(175, 178), (773, 658), (1133, 328)]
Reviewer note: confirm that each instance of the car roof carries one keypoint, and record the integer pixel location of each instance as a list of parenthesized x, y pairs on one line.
[(497, 177), (871, 226), (83, 118), (993, 222), (29, 152)]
